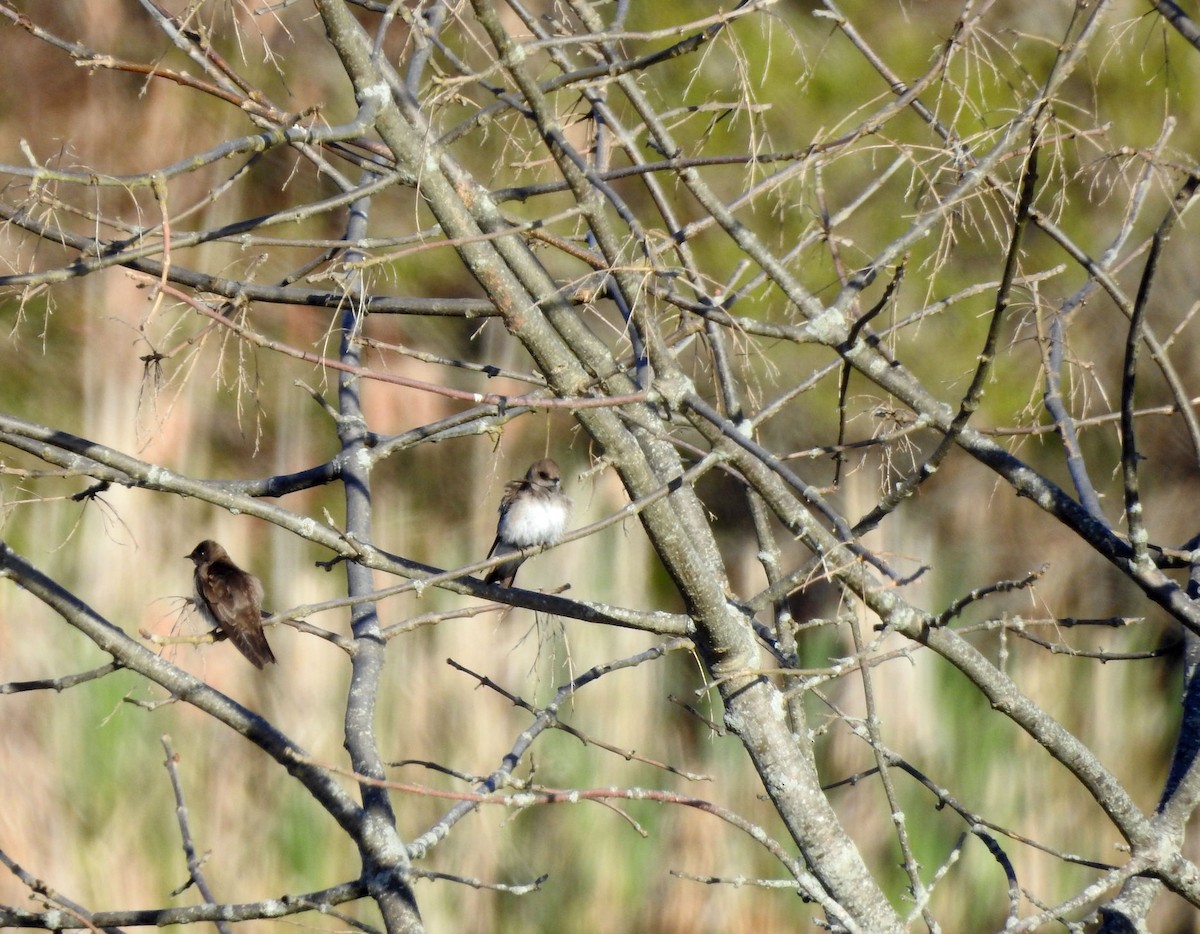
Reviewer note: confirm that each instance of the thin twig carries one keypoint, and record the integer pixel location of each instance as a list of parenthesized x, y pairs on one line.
[(195, 873)]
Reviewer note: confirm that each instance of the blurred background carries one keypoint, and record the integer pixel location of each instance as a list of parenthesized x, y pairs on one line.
[(88, 804)]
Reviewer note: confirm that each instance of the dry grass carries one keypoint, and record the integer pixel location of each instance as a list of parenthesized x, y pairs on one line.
[(87, 799)]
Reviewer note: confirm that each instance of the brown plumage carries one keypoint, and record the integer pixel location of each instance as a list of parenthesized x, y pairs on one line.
[(231, 600), (534, 511)]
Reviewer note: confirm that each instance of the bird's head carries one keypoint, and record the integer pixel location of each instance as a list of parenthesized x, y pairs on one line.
[(207, 551), (544, 473)]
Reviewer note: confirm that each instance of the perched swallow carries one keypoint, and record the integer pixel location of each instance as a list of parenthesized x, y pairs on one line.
[(534, 511), (231, 600)]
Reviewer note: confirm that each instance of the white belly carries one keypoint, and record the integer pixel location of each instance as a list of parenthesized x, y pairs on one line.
[(533, 521)]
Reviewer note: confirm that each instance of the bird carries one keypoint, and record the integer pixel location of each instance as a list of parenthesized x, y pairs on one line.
[(534, 511), (231, 600)]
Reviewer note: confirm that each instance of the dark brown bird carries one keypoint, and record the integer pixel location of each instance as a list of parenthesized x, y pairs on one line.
[(231, 600), (534, 511)]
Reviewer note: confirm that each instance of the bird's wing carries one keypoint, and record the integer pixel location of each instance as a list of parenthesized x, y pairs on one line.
[(237, 608), (511, 489), (504, 573)]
